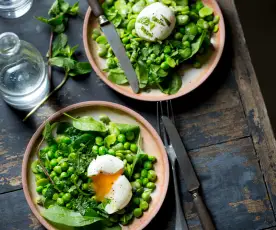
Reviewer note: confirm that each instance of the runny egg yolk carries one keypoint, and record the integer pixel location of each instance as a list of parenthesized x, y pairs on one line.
[(102, 183)]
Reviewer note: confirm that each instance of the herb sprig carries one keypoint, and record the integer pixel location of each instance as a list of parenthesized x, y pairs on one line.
[(60, 53)]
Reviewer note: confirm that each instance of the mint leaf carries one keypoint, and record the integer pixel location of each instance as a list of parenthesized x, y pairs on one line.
[(62, 62), (59, 43), (58, 20), (74, 10), (54, 10), (117, 76), (64, 6), (80, 69)]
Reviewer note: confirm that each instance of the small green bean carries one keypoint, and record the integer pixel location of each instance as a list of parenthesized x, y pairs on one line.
[(137, 212)]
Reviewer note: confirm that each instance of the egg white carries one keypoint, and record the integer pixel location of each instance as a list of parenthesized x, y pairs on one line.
[(159, 32)]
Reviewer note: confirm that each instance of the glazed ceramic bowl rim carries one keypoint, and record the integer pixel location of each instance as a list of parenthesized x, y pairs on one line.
[(110, 105), (163, 97)]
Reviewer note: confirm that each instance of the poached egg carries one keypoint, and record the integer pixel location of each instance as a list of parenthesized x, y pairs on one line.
[(155, 22), (109, 183)]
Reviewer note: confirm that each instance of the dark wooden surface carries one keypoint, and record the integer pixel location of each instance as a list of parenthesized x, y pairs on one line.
[(224, 125)]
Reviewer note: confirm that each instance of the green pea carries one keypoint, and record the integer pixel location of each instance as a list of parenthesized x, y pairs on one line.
[(66, 197), (152, 175), (148, 165), (139, 180), (39, 189), (50, 154), (167, 50), (129, 158), (99, 141), (42, 182), (131, 25), (64, 166), (182, 19), (57, 154), (126, 145), (57, 169), (109, 2), (158, 60), (70, 170), (53, 174), (144, 205), (63, 175), (191, 29), (95, 36), (136, 175), (197, 64), (151, 185), (144, 173), (216, 29), (120, 155), (211, 25), (178, 36), (59, 159), (121, 138), (111, 152), (74, 177), (60, 201), (165, 65), (72, 156), (153, 56), (69, 205), (136, 200), (55, 196), (44, 191), (128, 47), (216, 19), (102, 150), (102, 52), (187, 44), (125, 40), (146, 196), (133, 148), (152, 159), (85, 186), (135, 185), (149, 61), (95, 149), (61, 194), (53, 162), (145, 181), (97, 31), (130, 136), (101, 40), (137, 212), (63, 139)]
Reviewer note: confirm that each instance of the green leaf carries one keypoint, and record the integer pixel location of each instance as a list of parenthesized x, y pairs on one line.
[(50, 192), (58, 20), (74, 10), (171, 62), (61, 215), (59, 28), (64, 6), (109, 140), (122, 8), (48, 133), (196, 45), (171, 84), (88, 123), (42, 19), (66, 63), (54, 10), (142, 74), (83, 139), (59, 43), (80, 69), (117, 76), (62, 127)]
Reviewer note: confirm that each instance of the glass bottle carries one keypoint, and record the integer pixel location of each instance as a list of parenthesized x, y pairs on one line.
[(23, 79), (14, 8)]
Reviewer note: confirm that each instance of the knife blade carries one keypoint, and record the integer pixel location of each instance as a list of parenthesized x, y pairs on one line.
[(115, 42), (190, 177)]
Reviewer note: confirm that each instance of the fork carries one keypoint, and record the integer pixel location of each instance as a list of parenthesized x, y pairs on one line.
[(180, 223)]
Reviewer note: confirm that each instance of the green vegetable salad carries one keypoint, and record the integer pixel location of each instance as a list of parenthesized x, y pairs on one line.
[(65, 190), (155, 62)]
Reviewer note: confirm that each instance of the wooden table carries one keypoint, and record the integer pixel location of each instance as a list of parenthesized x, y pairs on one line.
[(224, 125)]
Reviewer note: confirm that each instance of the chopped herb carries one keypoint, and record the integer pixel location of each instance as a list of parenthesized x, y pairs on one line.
[(145, 31), (166, 20), (159, 21), (144, 20), (152, 25)]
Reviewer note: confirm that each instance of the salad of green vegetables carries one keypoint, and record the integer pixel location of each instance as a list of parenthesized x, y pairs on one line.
[(155, 62), (66, 192)]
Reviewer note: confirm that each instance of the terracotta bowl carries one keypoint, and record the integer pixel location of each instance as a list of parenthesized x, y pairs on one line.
[(191, 77), (152, 144)]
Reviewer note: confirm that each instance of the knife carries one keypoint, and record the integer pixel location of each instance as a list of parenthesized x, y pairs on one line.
[(115, 42), (191, 180)]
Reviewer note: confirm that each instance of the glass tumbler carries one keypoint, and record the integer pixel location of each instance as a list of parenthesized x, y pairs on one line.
[(23, 79), (14, 8)]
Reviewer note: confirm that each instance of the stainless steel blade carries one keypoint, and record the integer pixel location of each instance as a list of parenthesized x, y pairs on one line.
[(183, 159), (120, 52)]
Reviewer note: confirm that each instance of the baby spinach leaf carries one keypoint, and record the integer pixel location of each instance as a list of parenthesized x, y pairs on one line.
[(117, 76), (171, 84), (62, 127), (196, 45), (61, 215), (109, 140), (83, 139)]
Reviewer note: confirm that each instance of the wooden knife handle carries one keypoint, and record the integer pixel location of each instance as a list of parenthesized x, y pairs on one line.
[(96, 7), (204, 216)]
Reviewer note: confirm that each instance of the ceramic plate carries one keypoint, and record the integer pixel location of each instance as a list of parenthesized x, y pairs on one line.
[(191, 77), (151, 144)]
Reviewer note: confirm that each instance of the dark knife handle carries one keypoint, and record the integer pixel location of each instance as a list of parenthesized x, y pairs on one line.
[(96, 7), (202, 212)]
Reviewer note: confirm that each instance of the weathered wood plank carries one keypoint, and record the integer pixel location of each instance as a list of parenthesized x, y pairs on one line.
[(15, 214), (252, 100)]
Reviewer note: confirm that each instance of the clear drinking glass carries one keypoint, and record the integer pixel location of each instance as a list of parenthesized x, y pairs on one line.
[(14, 8), (23, 79)]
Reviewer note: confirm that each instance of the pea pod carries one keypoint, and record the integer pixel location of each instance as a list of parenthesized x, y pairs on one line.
[(34, 166)]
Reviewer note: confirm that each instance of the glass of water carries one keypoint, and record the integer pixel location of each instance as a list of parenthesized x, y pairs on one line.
[(14, 8), (23, 79)]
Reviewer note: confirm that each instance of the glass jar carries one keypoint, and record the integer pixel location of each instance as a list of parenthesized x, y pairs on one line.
[(14, 8), (23, 79)]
